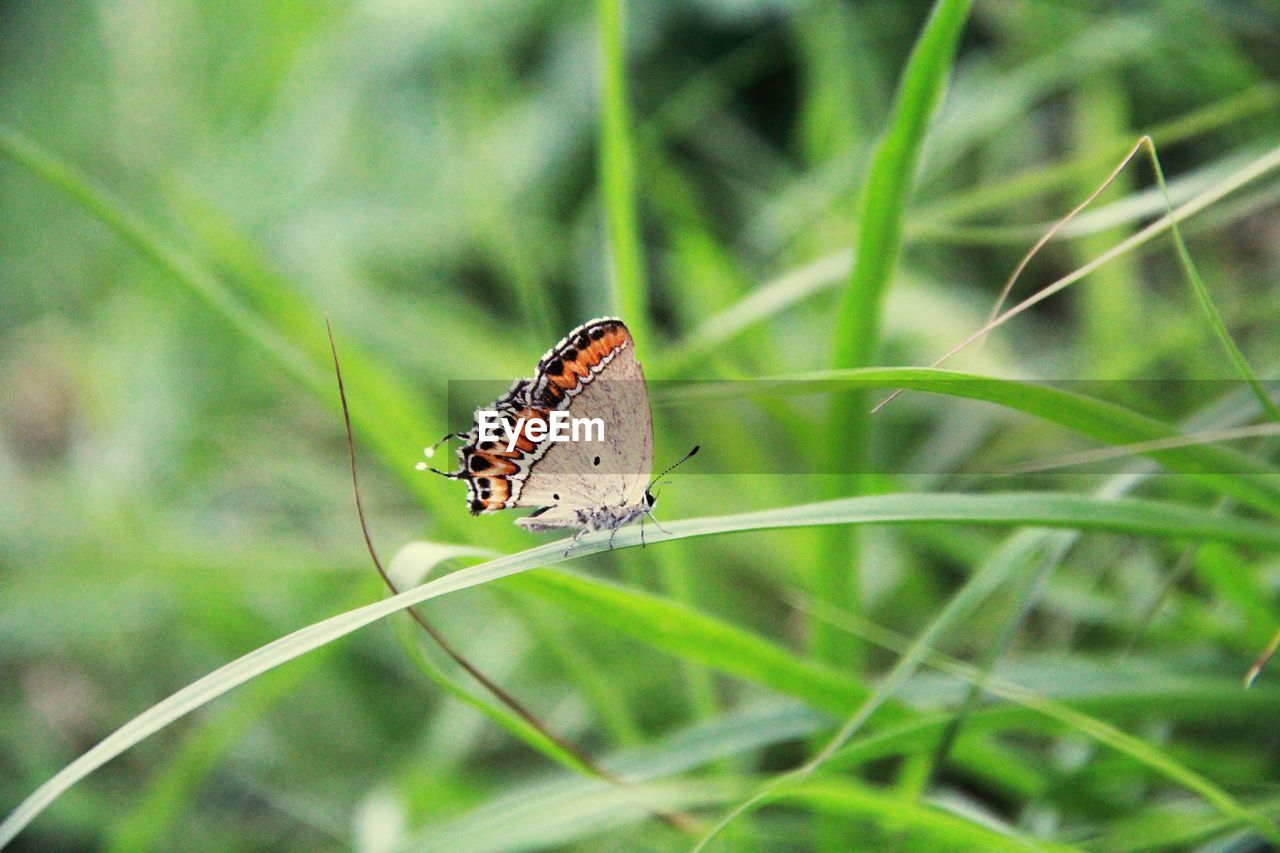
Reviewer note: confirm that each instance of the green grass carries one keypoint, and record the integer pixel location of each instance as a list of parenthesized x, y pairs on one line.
[(856, 338), (809, 201), (618, 173)]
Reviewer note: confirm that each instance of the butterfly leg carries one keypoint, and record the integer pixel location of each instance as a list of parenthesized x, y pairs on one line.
[(574, 540), (642, 531), (655, 521)]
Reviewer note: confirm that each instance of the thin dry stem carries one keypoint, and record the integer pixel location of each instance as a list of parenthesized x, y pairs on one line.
[(675, 819)]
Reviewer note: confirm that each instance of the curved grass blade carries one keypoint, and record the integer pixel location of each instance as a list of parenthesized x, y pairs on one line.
[(1226, 471), (695, 637), (932, 826), (1042, 509), (1256, 669), (1210, 310)]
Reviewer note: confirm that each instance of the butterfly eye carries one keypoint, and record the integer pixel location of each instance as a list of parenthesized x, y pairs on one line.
[(649, 498)]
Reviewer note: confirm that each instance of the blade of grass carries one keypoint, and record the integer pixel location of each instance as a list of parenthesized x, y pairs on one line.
[(1221, 469), (1191, 700), (1048, 510), (169, 790), (1113, 306), (499, 823), (981, 105), (410, 567), (857, 333), (927, 824), (1174, 828), (617, 174), (138, 234), (698, 639), (1121, 451), (1206, 301), (693, 637), (977, 588)]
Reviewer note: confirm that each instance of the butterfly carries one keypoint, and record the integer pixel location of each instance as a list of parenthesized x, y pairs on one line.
[(579, 484)]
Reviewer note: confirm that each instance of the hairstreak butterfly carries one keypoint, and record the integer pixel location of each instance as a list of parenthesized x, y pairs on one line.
[(588, 485)]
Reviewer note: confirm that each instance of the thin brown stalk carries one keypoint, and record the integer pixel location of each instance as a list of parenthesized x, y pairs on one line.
[(676, 819)]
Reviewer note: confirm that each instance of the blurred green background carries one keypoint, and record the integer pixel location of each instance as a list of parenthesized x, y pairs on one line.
[(175, 490)]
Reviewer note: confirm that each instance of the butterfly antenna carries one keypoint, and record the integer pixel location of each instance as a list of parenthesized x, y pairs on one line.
[(431, 451), (658, 481), (670, 468)]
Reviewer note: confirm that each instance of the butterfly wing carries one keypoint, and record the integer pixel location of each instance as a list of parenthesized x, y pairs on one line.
[(589, 475)]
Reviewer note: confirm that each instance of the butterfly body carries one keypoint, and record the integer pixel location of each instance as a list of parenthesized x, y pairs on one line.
[(600, 518)]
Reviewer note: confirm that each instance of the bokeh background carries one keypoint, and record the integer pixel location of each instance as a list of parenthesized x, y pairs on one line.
[(173, 468)]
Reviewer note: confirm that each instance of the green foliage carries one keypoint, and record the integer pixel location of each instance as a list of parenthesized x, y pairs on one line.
[(781, 195)]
